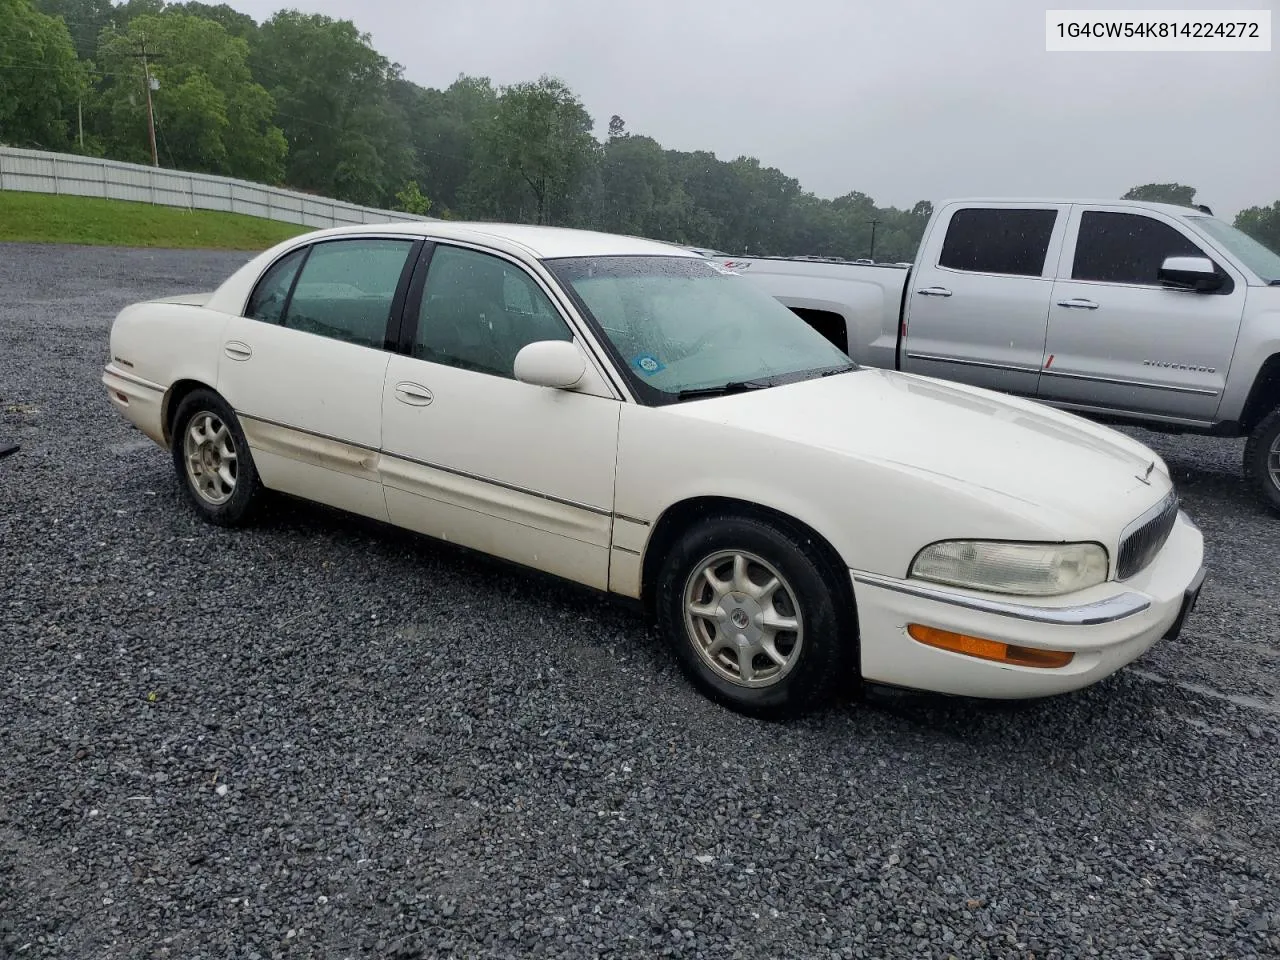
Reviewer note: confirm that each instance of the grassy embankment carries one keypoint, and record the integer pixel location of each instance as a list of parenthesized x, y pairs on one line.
[(43, 218)]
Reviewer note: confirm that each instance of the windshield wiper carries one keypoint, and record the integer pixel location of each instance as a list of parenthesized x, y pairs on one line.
[(760, 383), (724, 389), (816, 373), (834, 370)]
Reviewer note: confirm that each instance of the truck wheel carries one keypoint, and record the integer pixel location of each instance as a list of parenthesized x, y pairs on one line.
[(1262, 459), (756, 617)]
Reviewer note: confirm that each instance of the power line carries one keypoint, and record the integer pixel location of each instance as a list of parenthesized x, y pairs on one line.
[(31, 65), (84, 23), (40, 67), (339, 129)]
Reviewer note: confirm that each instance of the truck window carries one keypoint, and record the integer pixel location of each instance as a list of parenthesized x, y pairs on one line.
[(1126, 248), (1006, 241)]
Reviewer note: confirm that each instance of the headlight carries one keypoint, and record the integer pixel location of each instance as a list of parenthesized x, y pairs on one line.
[(1029, 569)]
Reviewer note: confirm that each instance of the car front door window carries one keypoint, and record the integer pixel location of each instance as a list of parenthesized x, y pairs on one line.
[(1126, 248), (478, 311)]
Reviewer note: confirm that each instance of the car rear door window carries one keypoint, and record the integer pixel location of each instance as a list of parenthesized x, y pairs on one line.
[(347, 288), (1013, 242), (478, 311), (1126, 248)]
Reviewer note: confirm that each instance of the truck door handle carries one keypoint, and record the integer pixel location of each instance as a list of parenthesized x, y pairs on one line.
[(1079, 303), (934, 292), (413, 394), (237, 350)]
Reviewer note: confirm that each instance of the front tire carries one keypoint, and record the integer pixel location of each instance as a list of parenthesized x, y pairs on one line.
[(755, 616), (212, 460), (1262, 459)]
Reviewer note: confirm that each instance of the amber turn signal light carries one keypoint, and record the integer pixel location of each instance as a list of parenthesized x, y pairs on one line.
[(988, 649)]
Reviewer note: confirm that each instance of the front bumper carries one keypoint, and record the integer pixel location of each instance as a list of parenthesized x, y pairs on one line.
[(1106, 627)]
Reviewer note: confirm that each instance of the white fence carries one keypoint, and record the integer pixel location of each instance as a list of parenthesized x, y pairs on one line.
[(62, 173)]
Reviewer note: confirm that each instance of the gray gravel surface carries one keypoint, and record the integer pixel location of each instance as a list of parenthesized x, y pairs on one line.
[(323, 737)]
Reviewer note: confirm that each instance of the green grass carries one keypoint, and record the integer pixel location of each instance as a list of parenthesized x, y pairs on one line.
[(43, 218)]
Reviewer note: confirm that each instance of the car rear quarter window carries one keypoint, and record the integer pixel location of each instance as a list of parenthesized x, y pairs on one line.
[(347, 288), (268, 299), (997, 240), (1126, 248)]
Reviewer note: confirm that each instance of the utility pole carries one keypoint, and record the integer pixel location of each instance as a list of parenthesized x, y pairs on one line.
[(80, 119), (146, 81), (873, 223)]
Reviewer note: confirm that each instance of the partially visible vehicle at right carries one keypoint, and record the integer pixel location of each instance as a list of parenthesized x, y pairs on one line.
[(1126, 312)]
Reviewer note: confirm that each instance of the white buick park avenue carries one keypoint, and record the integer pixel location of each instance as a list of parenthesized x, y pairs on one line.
[(632, 416)]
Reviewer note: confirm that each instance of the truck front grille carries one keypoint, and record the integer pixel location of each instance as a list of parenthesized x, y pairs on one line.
[(1144, 537)]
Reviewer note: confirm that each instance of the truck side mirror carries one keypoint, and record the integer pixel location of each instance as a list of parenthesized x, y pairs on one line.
[(1190, 273)]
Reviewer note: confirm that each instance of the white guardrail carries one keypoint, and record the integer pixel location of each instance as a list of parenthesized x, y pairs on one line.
[(37, 171)]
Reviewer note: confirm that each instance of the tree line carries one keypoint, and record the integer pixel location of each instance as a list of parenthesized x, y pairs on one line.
[(305, 101)]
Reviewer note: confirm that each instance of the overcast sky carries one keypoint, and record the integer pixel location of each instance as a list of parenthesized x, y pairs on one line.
[(904, 101)]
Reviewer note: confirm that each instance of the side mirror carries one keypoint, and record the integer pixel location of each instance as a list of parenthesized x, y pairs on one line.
[(1190, 273), (551, 363)]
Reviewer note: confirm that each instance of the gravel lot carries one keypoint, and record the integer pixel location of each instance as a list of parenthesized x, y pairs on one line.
[(323, 737)]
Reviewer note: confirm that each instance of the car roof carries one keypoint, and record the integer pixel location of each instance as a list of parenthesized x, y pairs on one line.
[(541, 242)]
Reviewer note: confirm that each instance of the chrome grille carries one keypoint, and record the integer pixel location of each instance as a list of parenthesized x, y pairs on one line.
[(1144, 537)]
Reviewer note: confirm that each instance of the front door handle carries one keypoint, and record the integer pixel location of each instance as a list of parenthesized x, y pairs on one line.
[(414, 394), (237, 350), (934, 292), (1078, 303)]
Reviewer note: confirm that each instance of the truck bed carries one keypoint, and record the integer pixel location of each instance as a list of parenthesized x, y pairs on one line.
[(856, 306)]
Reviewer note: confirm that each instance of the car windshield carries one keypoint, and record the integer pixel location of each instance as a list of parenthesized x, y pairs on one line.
[(1259, 259), (683, 325)]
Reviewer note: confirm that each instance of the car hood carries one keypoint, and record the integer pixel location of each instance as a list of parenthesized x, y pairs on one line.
[(1031, 458)]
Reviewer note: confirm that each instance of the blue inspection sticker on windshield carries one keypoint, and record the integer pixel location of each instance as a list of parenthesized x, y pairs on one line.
[(648, 364)]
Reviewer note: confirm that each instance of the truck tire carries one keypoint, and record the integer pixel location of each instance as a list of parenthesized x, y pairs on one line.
[(1262, 459)]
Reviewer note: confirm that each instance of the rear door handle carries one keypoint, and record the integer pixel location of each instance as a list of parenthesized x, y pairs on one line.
[(1078, 303), (414, 394), (934, 292), (237, 350)]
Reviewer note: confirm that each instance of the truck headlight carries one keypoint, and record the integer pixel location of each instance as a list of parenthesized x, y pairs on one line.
[(1027, 569)]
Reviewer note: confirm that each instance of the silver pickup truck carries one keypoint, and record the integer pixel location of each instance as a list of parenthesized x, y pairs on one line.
[(1127, 312)]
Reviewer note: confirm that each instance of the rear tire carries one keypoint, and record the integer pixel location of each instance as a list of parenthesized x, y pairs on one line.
[(212, 460), (1262, 459), (756, 616)]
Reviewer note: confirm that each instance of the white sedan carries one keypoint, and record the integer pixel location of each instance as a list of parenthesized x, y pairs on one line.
[(629, 415)]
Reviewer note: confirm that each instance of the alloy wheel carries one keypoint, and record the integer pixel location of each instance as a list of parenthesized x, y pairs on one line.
[(743, 619), (212, 463)]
